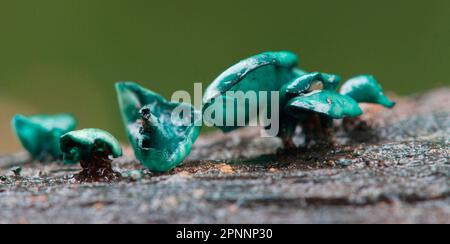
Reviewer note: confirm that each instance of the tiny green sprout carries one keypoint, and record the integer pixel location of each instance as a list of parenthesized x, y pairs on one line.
[(39, 134), (94, 150), (160, 142)]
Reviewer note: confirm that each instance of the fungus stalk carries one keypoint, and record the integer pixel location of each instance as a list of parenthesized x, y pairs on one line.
[(318, 130), (93, 149), (97, 169)]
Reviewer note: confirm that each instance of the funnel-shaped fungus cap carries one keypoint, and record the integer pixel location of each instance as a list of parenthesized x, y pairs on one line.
[(88, 144), (39, 134), (366, 89), (329, 103), (161, 133)]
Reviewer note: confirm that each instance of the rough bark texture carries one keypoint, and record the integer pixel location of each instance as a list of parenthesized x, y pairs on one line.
[(394, 169)]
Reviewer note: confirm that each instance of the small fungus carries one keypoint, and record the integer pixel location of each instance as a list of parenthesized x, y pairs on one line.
[(94, 150), (306, 99), (39, 134), (160, 141)]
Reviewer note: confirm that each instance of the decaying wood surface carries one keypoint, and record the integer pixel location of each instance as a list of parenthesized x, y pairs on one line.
[(393, 169)]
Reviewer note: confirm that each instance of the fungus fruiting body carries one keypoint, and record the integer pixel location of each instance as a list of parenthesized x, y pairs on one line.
[(162, 133), (160, 140), (264, 72), (365, 89), (308, 99), (39, 134), (94, 150)]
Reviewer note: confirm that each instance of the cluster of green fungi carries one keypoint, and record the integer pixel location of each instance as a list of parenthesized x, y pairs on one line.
[(161, 144)]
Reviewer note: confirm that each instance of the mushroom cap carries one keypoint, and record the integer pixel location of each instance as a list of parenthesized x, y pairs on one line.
[(310, 82), (329, 103), (264, 72), (243, 75), (39, 134), (160, 142), (366, 89), (84, 143)]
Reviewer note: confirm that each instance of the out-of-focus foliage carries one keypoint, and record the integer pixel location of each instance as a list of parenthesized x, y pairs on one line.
[(65, 55)]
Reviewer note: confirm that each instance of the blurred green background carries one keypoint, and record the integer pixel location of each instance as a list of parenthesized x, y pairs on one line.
[(65, 55)]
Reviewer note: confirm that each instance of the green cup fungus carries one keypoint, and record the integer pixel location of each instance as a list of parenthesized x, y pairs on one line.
[(365, 89), (268, 71), (305, 98), (39, 134), (94, 149), (160, 141)]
